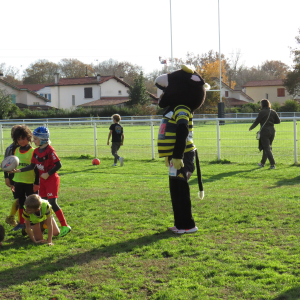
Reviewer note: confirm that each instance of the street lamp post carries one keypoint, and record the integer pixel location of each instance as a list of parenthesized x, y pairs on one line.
[(171, 36)]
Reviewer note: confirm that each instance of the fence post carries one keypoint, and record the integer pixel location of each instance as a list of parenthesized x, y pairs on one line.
[(1, 130), (295, 141), (218, 140), (69, 123), (152, 139), (95, 139)]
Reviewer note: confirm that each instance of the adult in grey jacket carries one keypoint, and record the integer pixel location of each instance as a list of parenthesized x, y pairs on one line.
[(267, 117)]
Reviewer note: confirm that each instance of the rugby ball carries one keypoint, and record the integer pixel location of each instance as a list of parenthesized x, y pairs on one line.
[(96, 161), (9, 163)]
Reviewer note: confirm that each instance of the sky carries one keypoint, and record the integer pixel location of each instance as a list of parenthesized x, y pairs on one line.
[(138, 31)]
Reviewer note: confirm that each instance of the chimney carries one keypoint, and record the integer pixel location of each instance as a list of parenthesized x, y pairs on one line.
[(1, 75), (98, 77), (56, 78), (86, 74)]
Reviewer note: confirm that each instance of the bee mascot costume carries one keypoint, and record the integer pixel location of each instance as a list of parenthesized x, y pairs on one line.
[(183, 92)]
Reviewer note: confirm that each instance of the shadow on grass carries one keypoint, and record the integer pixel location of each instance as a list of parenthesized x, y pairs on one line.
[(292, 294), (219, 176), (288, 181), (34, 270)]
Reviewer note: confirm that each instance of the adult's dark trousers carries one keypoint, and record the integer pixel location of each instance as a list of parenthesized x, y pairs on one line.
[(115, 146), (266, 145)]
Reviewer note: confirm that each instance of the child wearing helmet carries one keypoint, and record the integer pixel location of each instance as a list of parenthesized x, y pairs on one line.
[(48, 163)]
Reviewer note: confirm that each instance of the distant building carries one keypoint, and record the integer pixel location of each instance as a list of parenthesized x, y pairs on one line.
[(273, 90), (23, 97), (97, 92)]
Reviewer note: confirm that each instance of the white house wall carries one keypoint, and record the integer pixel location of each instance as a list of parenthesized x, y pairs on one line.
[(43, 91), (112, 87), (61, 96)]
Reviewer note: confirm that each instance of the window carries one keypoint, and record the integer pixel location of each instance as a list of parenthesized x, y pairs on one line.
[(73, 99), (36, 103), (13, 99), (88, 92), (45, 96), (120, 92), (281, 92), (267, 96), (226, 94)]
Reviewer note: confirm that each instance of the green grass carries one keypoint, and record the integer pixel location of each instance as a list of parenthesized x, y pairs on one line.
[(247, 246)]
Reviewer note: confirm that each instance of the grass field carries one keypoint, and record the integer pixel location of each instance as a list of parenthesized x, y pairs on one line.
[(247, 246)]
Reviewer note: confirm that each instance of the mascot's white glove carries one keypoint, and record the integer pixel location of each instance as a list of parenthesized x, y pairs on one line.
[(201, 195), (177, 163)]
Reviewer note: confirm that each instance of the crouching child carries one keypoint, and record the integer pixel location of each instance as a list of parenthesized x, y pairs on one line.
[(38, 213)]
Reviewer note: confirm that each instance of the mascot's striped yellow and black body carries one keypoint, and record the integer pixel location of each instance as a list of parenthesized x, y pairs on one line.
[(183, 92)]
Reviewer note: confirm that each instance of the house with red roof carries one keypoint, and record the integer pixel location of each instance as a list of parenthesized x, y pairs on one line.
[(233, 97), (273, 90), (97, 92), (22, 96), (39, 88)]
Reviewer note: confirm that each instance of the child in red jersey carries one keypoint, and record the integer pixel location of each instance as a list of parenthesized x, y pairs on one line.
[(48, 163)]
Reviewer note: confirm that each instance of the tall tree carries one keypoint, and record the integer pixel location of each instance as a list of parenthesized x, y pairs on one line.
[(137, 92), (5, 104), (41, 71), (10, 74), (120, 69), (72, 68), (292, 81)]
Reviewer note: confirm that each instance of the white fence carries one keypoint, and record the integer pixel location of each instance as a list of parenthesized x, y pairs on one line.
[(214, 141)]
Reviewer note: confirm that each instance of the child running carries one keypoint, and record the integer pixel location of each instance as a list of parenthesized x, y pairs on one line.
[(48, 163), (116, 131), (25, 184), (38, 213), (10, 150)]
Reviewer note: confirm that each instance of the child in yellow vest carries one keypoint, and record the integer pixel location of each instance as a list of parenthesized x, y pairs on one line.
[(25, 184), (10, 183), (38, 213)]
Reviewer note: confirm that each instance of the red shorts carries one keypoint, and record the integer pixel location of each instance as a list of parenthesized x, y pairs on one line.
[(49, 187)]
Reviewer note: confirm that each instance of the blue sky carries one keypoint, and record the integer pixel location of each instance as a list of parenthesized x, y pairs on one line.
[(138, 31)]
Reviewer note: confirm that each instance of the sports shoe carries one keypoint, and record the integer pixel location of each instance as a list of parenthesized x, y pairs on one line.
[(260, 165), (65, 230), (114, 165), (121, 159), (174, 228), (182, 231), (10, 220), (18, 227), (272, 168)]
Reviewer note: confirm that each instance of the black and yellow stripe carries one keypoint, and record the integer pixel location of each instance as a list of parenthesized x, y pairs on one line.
[(167, 134)]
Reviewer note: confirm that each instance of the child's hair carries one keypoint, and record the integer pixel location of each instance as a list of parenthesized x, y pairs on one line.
[(33, 201), (265, 103), (2, 233), (116, 117), (12, 132), (22, 131)]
